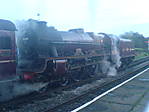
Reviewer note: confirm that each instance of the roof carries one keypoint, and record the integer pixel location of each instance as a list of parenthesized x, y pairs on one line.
[(126, 40), (7, 25), (73, 36)]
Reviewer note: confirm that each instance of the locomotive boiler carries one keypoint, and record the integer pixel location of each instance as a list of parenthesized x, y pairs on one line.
[(46, 54)]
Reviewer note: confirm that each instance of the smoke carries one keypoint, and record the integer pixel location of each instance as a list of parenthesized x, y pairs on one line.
[(147, 108), (25, 88), (115, 51), (21, 25), (13, 89), (105, 65), (109, 66), (112, 71)]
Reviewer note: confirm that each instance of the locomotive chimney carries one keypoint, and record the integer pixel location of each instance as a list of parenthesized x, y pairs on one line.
[(78, 30), (42, 24)]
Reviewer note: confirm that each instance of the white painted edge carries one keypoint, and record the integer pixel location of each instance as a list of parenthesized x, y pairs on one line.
[(6, 81), (103, 94)]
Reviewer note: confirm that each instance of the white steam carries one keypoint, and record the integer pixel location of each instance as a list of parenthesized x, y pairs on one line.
[(110, 67), (112, 71), (13, 89), (115, 52)]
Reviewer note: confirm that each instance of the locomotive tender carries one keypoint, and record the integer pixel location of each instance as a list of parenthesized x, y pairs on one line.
[(45, 54)]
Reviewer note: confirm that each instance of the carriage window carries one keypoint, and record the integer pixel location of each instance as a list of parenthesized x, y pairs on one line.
[(5, 43), (5, 46)]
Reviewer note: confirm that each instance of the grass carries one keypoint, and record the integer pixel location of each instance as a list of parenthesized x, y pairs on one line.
[(141, 53)]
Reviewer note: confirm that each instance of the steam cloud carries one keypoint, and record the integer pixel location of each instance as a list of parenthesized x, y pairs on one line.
[(14, 89), (110, 68)]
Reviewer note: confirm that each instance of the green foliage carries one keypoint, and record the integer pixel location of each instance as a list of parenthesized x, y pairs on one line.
[(140, 53), (137, 39), (141, 50)]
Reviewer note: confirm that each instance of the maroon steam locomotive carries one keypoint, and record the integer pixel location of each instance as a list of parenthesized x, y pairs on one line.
[(45, 54), (48, 54)]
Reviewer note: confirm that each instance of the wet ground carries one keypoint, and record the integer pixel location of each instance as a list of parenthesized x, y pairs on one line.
[(131, 97), (61, 97)]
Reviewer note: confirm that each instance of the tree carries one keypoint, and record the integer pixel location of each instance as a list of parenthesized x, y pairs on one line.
[(137, 39)]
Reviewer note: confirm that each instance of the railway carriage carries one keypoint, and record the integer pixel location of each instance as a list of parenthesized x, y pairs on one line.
[(7, 50), (127, 52), (7, 59)]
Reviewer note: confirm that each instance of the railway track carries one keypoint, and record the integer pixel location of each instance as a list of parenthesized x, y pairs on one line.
[(78, 101), (35, 97)]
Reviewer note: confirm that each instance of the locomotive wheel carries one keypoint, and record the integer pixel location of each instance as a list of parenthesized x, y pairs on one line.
[(75, 76), (64, 81), (92, 71), (43, 89)]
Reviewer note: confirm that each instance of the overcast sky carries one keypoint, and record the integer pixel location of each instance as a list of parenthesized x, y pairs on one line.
[(110, 16)]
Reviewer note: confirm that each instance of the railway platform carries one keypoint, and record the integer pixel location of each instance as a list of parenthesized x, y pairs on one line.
[(133, 96)]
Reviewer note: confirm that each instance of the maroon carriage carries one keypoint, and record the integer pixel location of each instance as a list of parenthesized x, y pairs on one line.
[(7, 59), (7, 50), (126, 49)]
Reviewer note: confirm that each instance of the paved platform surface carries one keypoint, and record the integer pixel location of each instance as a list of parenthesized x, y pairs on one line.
[(131, 97)]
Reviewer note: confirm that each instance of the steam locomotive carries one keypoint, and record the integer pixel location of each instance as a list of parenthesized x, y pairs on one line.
[(46, 54), (38, 53)]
